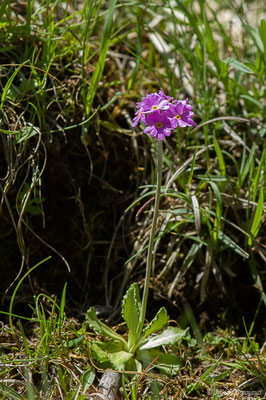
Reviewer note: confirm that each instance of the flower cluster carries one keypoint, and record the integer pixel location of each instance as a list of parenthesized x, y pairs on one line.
[(161, 114)]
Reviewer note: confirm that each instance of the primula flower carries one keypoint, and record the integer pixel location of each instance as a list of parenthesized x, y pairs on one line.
[(158, 125), (161, 114), (180, 114)]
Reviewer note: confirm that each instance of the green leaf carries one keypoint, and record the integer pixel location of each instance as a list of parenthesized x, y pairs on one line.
[(252, 100), (97, 74), (257, 217), (189, 179), (28, 85), (99, 67), (232, 244), (263, 35), (217, 221), (62, 308), (238, 65), (255, 181), (135, 71), (74, 342), (26, 133), (111, 354), (168, 364), (16, 289), (221, 162), (170, 336), (25, 342), (131, 306), (9, 83), (99, 353), (134, 365), (99, 327), (158, 322), (6, 132), (212, 47), (119, 359), (245, 167), (87, 378)]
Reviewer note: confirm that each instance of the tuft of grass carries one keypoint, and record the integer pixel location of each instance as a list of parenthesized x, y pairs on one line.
[(44, 363)]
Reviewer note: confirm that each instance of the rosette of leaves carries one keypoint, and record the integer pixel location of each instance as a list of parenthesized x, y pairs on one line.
[(139, 350)]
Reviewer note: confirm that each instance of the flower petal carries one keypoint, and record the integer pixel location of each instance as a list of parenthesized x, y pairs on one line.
[(160, 136), (167, 132)]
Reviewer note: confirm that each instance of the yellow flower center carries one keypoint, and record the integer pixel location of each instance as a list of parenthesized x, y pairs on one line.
[(139, 113), (154, 107), (178, 116), (159, 124)]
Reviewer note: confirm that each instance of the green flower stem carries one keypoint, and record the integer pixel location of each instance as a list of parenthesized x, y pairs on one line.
[(152, 235)]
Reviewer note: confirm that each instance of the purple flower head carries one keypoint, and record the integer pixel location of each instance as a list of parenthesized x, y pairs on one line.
[(161, 114), (180, 114), (158, 125)]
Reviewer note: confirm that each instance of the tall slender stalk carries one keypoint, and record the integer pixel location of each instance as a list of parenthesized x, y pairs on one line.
[(152, 235), (204, 80)]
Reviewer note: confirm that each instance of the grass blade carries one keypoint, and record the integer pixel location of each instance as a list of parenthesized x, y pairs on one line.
[(107, 30), (97, 74), (254, 230), (25, 342), (8, 391), (8, 84), (133, 77), (196, 210), (239, 66), (62, 308), (255, 182), (217, 221), (245, 167), (16, 289), (220, 162)]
